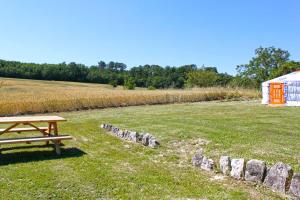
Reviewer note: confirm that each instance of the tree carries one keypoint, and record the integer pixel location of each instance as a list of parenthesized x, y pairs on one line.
[(129, 83), (202, 78), (101, 65), (242, 82), (263, 64), (113, 73), (212, 69), (113, 83), (285, 68), (224, 79)]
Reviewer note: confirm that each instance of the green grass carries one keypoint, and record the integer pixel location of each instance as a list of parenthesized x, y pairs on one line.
[(99, 166)]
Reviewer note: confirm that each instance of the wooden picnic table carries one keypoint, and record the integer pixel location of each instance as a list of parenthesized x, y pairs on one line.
[(50, 132)]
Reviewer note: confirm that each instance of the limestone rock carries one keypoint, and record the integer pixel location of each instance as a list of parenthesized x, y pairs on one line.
[(114, 130), (207, 164), (153, 142), (295, 186), (255, 171), (278, 177), (108, 127), (105, 126), (120, 134), (237, 168), (145, 139), (197, 158), (140, 137), (133, 136), (225, 164), (127, 135)]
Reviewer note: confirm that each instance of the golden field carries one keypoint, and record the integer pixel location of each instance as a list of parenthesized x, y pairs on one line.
[(20, 96)]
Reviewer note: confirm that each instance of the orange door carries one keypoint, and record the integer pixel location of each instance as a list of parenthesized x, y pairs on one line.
[(277, 93)]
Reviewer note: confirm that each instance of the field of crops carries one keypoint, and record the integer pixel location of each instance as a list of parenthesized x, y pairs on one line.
[(20, 96)]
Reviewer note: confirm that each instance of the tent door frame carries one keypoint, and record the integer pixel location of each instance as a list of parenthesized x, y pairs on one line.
[(276, 94)]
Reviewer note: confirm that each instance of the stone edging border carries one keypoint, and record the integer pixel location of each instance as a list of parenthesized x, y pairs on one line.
[(279, 177), (145, 139)]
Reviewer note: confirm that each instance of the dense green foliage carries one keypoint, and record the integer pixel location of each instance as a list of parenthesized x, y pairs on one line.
[(202, 78), (113, 73), (129, 83), (268, 63)]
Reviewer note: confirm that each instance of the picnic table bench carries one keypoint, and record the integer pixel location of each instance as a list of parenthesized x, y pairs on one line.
[(49, 132)]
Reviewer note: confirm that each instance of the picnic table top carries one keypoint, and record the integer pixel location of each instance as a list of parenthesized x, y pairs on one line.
[(5, 120)]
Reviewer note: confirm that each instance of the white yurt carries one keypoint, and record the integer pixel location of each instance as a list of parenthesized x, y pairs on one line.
[(283, 90)]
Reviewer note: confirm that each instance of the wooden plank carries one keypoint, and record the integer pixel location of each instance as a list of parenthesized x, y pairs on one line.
[(49, 130), (5, 120), (8, 128), (37, 128), (35, 139), (17, 130)]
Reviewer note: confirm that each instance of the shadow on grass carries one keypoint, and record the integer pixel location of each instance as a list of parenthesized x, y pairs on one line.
[(36, 154)]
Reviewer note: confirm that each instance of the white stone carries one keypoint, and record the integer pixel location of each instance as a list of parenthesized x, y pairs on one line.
[(207, 164), (278, 177), (145, 139), (295, 186), (153, 142), (225, 164), (255, 171), (197, 158), (237, 168), (133, 136)]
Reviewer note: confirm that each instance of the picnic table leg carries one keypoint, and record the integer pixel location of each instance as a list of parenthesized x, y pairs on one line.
[(55, 129), (49, 131), (57, 142), (57, 147)]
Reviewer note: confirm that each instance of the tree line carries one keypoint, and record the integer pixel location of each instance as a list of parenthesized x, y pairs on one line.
[(266, 64), (114, 73)]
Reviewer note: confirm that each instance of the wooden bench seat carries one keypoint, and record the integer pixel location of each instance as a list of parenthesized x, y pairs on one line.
[(55, 139), (19, 130)]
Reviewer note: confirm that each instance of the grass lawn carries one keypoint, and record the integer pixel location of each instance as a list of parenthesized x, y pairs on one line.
[(97, 165)]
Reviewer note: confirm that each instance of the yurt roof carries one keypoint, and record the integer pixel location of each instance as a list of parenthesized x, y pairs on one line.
[(294, 76)]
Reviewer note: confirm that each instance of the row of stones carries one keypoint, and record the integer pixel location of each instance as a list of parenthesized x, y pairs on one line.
[(145, 139), (278, 177)]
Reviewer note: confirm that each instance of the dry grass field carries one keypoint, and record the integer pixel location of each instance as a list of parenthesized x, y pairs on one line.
[(20, 96)]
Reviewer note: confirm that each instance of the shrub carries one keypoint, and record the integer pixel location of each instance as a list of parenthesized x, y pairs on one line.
[(201, 78), (113, 83), (243, 82), (129, 83), (151, 87)]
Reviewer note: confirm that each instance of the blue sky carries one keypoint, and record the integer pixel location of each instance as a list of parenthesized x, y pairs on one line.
[(165, 32)]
